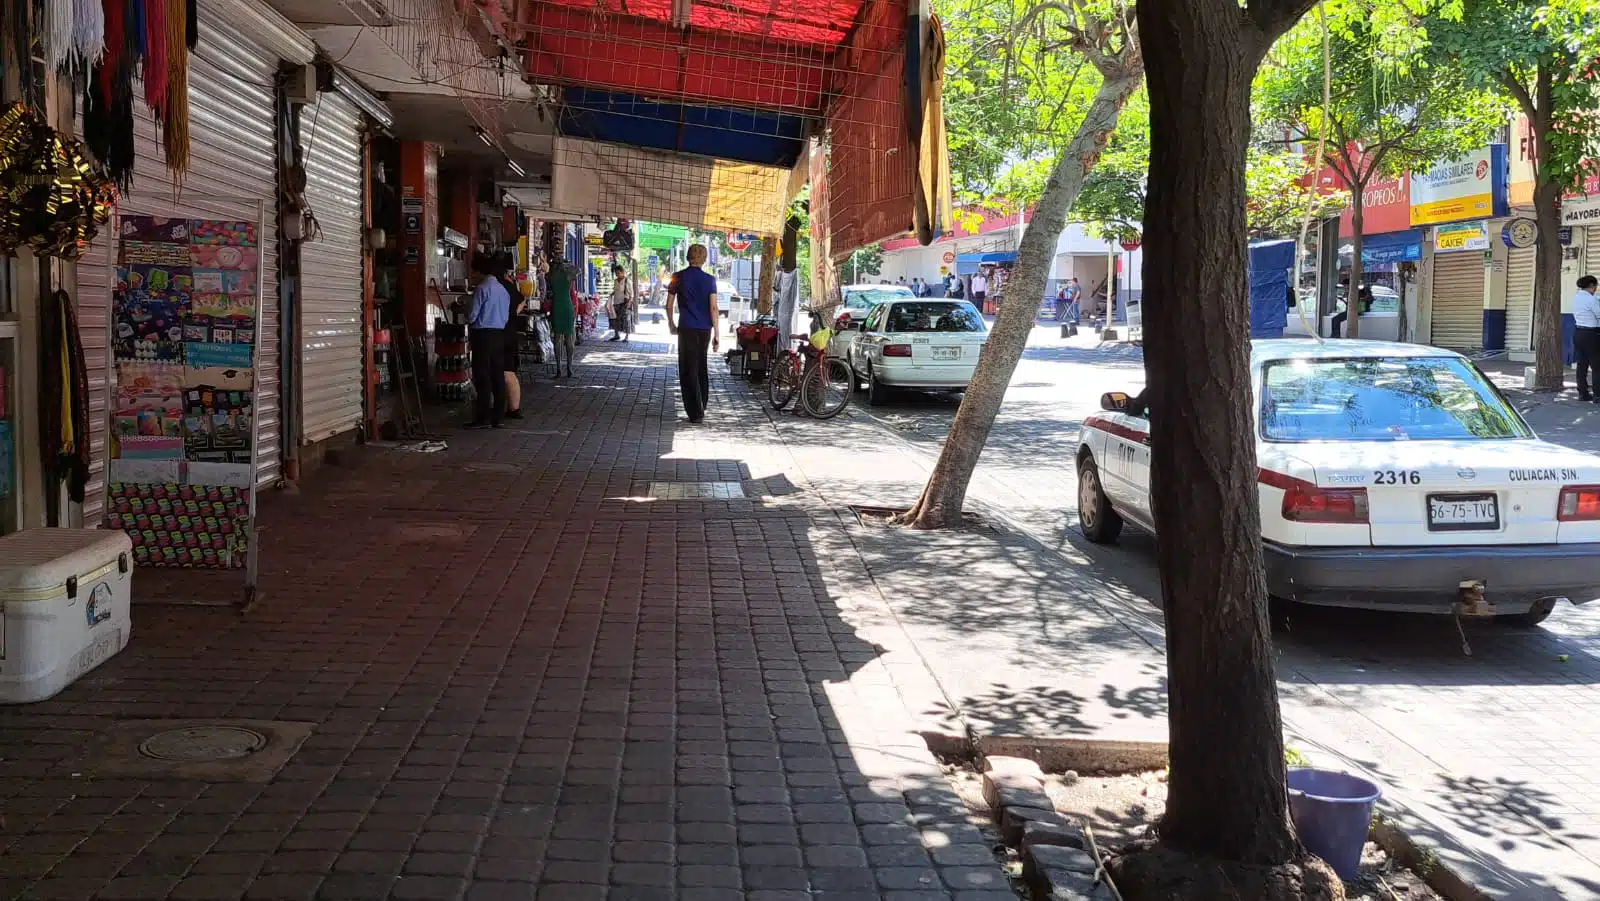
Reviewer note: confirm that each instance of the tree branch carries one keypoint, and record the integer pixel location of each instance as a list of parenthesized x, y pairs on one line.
[(1272, 18), (1519, 92)]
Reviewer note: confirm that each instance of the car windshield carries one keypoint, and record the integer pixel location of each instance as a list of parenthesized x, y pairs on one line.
[(934, 316), (1382, 399), (867, 298)]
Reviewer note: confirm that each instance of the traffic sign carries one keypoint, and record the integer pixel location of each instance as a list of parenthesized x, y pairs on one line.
[(949, 257), (1130, 244)]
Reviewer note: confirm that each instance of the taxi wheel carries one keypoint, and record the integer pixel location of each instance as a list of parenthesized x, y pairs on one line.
[(1540, 612), (877, 392), (1099, 522)]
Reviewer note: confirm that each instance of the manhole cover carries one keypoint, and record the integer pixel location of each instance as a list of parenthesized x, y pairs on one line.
[(203, 744)]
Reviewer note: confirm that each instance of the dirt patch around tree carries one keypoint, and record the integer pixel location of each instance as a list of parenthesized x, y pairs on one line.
[(1120, 808)]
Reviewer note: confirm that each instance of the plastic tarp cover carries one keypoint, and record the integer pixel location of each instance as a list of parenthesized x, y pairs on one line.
[(751, 136), (611, 180), (1270, 262)]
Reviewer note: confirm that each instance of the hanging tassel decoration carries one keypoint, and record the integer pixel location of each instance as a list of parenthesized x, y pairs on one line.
[(155, 61), (88, 31), (59, 27), (133, 32), (175, 134)]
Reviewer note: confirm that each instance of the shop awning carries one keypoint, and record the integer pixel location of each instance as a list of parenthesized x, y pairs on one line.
[(968, 263), (1393, 247), (606, 180)]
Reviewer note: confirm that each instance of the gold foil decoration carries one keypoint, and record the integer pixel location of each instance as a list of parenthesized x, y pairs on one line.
[(53, 200)]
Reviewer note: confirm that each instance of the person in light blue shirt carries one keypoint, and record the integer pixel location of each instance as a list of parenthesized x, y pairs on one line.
[(488, 316)]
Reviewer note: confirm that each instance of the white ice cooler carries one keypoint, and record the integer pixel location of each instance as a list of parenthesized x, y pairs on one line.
[(64, 597)]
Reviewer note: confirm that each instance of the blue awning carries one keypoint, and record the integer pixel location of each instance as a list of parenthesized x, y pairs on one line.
[(969, 263), (751, 136), (1392, 247)]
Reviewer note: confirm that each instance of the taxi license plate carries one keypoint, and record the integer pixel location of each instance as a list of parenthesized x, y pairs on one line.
[(1463, 513), (947, 353)]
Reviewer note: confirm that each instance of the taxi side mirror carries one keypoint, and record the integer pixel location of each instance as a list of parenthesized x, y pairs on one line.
[(1114, 402)]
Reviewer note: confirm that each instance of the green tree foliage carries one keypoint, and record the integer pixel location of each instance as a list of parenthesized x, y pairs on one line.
[(1544, 56), (1390, 109), (1280, 194)]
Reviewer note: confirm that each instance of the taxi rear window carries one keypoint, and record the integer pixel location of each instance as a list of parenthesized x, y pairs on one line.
[(1382, 399), (934, 316)]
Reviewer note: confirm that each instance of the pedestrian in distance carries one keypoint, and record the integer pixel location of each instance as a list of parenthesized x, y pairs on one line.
[(487, 318), (980, 288), (1363, 297), (563, 305), (692, 316), (1586, 341), (622, 305), (515, 326)]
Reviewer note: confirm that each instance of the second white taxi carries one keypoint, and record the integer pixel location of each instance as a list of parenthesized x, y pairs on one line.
[(1391, 477), (923, 343)]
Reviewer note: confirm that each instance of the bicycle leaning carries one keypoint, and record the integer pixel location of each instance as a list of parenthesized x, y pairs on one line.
[(825, 384)]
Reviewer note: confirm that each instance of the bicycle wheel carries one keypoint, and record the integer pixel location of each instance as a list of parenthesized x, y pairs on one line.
[(827, 387), (781, 381)]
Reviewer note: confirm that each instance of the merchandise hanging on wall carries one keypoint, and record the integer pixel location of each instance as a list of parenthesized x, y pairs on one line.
[(183, 340)]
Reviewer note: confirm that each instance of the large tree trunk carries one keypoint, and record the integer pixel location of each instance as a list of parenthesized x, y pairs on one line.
[(946, 491), (1352, 297), (1226, 793)]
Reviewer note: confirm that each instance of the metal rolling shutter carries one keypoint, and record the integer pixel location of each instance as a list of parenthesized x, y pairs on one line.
[(1519, 300), (1591, 262), (232, 157), (331, 352), (1458, 300)]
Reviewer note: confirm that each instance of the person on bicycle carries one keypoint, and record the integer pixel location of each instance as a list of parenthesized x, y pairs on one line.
[(693, 294)]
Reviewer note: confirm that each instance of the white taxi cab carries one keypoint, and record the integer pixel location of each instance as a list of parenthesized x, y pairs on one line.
[(1391, 477), (928, 344)]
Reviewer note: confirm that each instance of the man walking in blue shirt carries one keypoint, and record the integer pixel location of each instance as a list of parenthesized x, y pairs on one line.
[(490, 313), (693, 295)]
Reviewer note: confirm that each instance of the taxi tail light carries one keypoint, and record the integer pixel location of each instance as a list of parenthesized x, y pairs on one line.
[(1304, 502), (1579, 503), (897, 350)]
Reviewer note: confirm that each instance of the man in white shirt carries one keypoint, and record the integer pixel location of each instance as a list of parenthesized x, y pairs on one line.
[(980, 288), (1586, 342)]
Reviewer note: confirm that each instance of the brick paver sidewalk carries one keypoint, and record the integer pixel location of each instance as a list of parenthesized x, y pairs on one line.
[(523, 681)]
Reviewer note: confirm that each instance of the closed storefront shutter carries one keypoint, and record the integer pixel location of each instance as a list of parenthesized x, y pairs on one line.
[(331, 350), (1591, 249), (1519, 300), (1457, 307), (232, 164)]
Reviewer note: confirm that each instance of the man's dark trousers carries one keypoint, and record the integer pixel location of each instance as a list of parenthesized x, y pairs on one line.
[(694, 373), (489, 373), (1586, 347)]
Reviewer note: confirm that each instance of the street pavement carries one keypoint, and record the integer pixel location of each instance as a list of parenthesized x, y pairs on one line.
[(1501, 748)]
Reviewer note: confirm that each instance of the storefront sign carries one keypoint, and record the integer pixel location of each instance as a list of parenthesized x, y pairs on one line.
[(1519, 234), (1463, 236), (1470, 187), (1581, 210)]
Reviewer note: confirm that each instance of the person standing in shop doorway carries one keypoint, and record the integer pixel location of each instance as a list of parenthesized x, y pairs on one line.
[(980, 287), (563, 315), (488, 318), (1586, 341), (622, 305), (692, 316)]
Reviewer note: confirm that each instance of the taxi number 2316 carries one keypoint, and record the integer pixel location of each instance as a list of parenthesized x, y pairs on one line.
[(1396, 477)]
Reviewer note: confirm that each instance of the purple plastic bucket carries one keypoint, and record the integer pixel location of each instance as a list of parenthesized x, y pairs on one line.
[(1332, 813)]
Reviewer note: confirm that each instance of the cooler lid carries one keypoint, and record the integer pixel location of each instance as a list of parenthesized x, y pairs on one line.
[(36, 560)]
